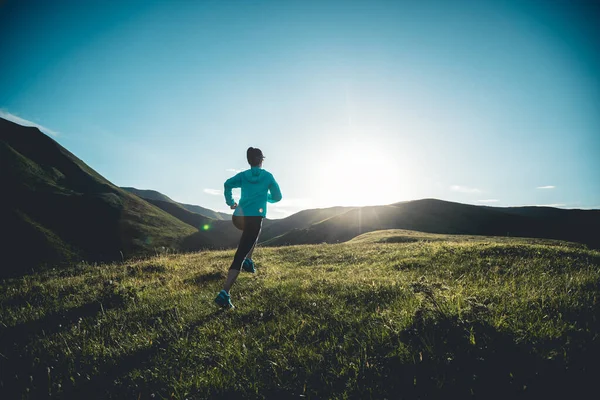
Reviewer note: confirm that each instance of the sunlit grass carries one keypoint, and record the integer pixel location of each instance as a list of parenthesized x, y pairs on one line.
[(362, 319)]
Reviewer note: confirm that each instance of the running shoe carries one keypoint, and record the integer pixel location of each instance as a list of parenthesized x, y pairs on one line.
[(224, 300), (248, 266)]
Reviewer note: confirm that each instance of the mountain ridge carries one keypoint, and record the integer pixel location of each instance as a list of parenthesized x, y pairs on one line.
[(149, 194), (442, 217), (58, 209)]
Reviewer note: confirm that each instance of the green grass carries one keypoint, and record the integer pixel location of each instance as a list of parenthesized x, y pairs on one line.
[(372, 318)]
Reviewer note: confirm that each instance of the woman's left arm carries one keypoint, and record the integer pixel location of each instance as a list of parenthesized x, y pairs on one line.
[(233, 182)]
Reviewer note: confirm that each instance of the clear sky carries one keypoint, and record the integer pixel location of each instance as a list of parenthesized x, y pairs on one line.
[(352, 102)]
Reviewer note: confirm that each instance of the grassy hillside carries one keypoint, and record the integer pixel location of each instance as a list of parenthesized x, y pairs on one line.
[(206, 211), (406, 236), (56, 208), (148, 194), (211, 234), (378, 317), (193, 219), (300, 220), (437, 216), (154, 195)]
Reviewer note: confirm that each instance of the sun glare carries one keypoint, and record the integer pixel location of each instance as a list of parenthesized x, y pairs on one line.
[(360, 173)]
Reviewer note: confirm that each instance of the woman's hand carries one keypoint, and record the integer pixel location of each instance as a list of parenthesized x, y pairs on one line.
[(234, 206)]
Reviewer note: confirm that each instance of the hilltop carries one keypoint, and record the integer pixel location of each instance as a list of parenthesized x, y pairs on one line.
[(390, 314)]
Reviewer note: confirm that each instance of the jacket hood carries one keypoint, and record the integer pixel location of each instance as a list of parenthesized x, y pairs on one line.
[(253, 174)]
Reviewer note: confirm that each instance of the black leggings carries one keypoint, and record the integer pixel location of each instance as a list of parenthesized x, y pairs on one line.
[(250, 227)]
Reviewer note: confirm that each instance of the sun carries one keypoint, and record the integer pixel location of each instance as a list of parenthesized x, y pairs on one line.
[(360, 173)]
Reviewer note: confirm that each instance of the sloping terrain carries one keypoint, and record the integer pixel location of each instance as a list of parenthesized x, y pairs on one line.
[(154, 195), (406, 236), (490, 318), (436, 216), (55, 208), (211, 234), (300, 220), (148, 194)]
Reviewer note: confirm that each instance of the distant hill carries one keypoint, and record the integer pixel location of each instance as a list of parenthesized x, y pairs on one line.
[(437, 216), (148, 194), (55, 208), (154, 195), (406, 236), (211, 234), (299, 220), (207, 212)]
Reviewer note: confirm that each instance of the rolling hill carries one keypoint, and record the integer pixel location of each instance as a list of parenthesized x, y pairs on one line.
[(300, 220), (211, 233), (55, 208), (443, 217), (154, 195)]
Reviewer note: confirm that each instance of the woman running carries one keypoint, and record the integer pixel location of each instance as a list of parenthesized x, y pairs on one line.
[(258, 188)]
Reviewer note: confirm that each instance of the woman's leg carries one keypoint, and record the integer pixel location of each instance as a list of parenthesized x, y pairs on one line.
[(238, 222), (249, 255), (231, 277), (249, 237), (252, 249)]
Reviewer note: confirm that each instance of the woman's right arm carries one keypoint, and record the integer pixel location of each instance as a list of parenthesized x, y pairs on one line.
[(274, 194)]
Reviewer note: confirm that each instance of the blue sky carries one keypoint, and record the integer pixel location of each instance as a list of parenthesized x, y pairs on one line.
[(352, 102)]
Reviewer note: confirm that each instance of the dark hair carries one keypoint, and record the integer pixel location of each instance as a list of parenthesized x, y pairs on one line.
[(254, 156)]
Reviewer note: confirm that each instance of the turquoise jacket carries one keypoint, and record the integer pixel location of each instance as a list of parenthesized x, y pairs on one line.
[(258, 188)]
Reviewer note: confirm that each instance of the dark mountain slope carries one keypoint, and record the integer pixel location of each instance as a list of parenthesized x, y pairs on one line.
[(154, 195), (212, 233), (148, 194), (437, 216), (194, 220), (300, 220), (206, 212), (55, 208), (582, 226)]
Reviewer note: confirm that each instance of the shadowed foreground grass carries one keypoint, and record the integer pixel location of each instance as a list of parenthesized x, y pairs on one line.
[(373, 318)]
